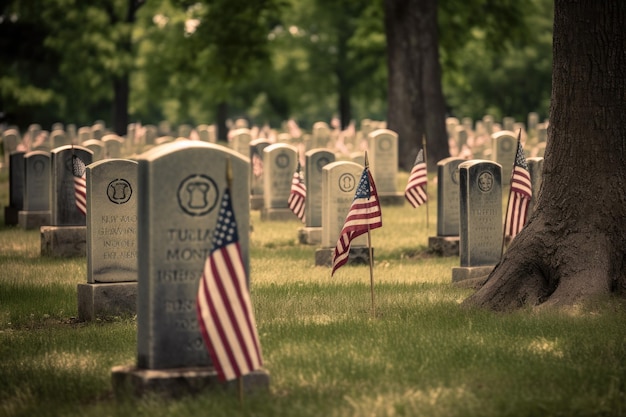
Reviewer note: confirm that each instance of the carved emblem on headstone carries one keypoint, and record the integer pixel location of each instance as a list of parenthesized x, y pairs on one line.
[(282, 161), (485, 181), (119, 191), (197, 195), (347, 182)]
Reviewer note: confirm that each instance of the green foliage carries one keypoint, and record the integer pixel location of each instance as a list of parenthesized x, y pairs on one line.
[(269, 60)]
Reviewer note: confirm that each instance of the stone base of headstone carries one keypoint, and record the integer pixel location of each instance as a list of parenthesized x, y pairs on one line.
[(391, 199), (256, 202), (63, 241), (358, 256), (175, 383), (463, 273), (100, 300), (281, 214), (444, 245), (33, 219), (310, 235), (11, 216)]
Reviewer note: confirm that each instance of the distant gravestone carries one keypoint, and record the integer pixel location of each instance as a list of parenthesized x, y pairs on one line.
[(279, 163), (481, 219), (66, 234), (16, 188), (535, 169), (180, 186), (111, 287), (36, 210), (383, 159), (504, 148), (320, 136), (339, 183), (256, 173), (59, 138), (84, 133), (97, 147), (240, 140), (316, 160), (10, 139), (113, 146), (448, 208)]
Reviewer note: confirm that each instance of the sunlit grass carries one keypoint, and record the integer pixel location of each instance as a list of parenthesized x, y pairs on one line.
[(329, 350)]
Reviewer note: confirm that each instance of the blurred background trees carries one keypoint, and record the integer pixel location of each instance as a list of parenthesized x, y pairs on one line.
[(202, 61)]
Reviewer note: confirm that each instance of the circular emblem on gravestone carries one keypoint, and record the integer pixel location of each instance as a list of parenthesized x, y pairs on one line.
[(119, 191), (506, 144), (197, 195), (454, 173), (282, 161), (321, 163), (347, 182), (384, 143), (38, 167), (485, 181)]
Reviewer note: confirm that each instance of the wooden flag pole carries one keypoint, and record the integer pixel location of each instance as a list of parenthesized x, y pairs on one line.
[(370, 254), (426, 186), (508, 200)]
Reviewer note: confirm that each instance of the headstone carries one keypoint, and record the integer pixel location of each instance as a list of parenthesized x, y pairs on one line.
[(339, 183), (256, 173), (66, 236), (111, 287), (316, 160), (279, 163), (240, 141), (16, 188), (36, 209), (533, 120), (320, 137), (10, 139), (59, 138), (180, 186), (97, 147), (383, 159), (113, 146), (508, 123), (504, 145), (480, 219), (535, 169), (84, 133), (446, 242)]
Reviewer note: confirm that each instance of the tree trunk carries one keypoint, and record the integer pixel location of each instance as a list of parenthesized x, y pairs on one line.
[(222, 115), (121, 90), (573, 248), (414, 86)]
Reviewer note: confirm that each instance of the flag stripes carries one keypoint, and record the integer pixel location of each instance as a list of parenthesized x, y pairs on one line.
[(364, 215), (80, 184), (519, 195), (415, 191), (223, 305), (297, 196)]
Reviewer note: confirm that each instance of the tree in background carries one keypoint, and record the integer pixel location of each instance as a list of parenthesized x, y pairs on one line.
[(573, 247)]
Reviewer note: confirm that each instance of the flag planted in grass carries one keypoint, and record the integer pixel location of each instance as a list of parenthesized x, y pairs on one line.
[(223, 302), (297, 195), (80, 184), (519, 195), (364, 215), (415, 191)]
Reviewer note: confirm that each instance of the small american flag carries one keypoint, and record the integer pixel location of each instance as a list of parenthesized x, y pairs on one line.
[(519, 196), (297, 195), (223, 305), (80, 184), (415, 191), (364, 215), (257, 165)]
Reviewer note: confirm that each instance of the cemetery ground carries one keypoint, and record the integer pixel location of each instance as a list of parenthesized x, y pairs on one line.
[(422, 353)]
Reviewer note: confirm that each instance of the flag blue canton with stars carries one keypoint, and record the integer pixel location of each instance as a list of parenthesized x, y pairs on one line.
[(363, 191), (226, 226)]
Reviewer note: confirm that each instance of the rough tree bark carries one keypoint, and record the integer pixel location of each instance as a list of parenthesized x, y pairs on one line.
[(574, 246), (414, 97)]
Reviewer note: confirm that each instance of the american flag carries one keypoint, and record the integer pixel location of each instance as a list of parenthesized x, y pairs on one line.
[(519, 195), (223, 305), (415, 190), (297, 195), (364, 215), (80, 184)]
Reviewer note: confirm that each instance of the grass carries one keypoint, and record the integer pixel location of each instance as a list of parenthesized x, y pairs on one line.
[(421, 355)]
